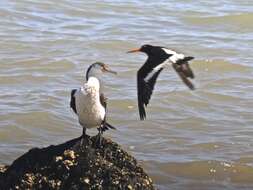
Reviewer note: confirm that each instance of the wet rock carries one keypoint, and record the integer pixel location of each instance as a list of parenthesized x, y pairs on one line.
[(3, 168), (76, 165)]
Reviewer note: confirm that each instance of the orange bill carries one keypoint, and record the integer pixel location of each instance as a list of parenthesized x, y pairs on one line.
[(134, 50)]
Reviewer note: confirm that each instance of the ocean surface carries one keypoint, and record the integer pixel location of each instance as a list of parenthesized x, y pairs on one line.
[(191, 140)]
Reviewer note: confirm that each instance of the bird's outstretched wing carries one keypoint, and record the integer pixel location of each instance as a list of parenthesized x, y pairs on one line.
[(73, 100), (145, 90), (187, 70), (183, 72), (183, 65)]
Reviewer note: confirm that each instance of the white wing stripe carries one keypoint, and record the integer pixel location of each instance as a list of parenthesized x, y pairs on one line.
[(168, 51), (156, 69)]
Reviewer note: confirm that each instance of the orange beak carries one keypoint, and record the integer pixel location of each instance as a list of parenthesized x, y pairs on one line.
[(134, 50)]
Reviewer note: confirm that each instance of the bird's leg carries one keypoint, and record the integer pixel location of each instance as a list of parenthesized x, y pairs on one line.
[(99, 136), (83, 137), (84, 132)]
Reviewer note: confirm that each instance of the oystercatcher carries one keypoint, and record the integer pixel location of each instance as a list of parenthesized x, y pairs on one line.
[(158, 58)]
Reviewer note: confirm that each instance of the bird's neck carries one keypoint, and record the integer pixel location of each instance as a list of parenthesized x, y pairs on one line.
[(91, 72)]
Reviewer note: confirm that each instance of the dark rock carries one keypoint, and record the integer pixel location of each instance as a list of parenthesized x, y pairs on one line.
[(76, 165)]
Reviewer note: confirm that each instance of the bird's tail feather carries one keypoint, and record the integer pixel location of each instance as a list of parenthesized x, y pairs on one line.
[(188, 58), (184, 60), (107, 126)]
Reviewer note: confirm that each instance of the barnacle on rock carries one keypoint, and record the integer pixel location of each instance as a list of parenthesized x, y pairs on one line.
[(58, 158), (70, 154)]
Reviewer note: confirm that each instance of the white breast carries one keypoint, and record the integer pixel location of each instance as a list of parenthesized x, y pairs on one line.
[(89, 109)]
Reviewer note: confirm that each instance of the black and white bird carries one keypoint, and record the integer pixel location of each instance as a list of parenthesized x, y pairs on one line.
[(89, 103), (159, 58)]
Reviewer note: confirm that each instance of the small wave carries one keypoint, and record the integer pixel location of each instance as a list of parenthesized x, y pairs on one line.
[(242, 20), (220, 66), (230, 174)]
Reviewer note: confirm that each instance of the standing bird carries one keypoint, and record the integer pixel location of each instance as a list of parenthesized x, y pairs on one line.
[(158, 58), (89, 103)]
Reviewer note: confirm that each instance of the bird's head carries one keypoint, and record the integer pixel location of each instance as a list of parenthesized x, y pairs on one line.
[(145, 49), (97, 69), (150, 50)]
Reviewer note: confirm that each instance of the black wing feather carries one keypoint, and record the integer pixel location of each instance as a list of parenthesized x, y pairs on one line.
[(184, 67), (73, 100), (145, 90), (103, 100), (141, 94), (187, 70), (183, 75)]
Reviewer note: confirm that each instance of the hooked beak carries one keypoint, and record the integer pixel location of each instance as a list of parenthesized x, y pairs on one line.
[(107, 69), (134, 50)]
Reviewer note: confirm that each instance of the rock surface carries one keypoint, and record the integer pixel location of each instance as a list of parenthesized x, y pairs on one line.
[(76, 165)]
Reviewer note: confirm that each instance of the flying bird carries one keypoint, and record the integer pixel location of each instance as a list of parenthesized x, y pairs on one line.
[(159, 58), (89, 103)]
